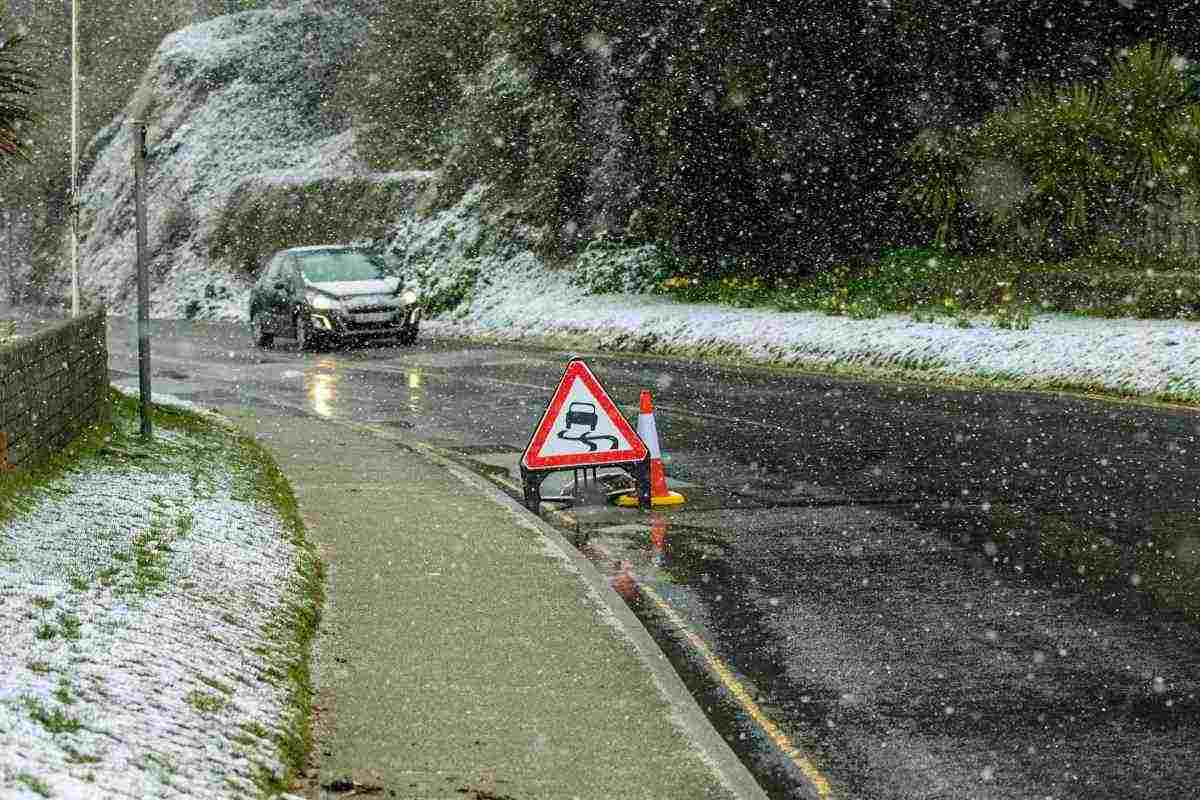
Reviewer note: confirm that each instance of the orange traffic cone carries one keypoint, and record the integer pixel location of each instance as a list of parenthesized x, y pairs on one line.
[(647, 430)]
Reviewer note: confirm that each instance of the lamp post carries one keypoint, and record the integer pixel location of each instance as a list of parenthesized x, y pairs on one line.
[(74, 204)]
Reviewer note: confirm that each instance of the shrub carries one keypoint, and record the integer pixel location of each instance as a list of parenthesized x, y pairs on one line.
[(522, 141), (1063, 170), (406, 81), (444, 253), (605, 266), (260, 218)]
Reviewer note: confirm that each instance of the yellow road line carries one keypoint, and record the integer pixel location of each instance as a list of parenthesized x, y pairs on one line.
[(730, 682)]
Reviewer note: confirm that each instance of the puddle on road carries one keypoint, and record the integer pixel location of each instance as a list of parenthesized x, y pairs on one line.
[(660, 567), (1147, 565), (321, 387)]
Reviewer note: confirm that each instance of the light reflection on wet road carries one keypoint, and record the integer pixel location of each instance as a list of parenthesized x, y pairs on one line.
[(933, 594)]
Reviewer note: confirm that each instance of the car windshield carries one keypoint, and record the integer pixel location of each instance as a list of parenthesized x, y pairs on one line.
[(323, 266)]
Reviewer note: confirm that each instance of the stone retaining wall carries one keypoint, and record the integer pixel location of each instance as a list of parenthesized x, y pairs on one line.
[(53, 385)]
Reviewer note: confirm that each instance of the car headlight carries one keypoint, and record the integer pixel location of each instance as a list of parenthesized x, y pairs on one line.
[(409, 297), (323, 302)]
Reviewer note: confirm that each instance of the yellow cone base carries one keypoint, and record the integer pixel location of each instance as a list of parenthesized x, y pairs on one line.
[(669, 499)]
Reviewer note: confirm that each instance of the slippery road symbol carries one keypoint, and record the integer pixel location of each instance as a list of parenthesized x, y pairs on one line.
[(581, 427), (584, 414)]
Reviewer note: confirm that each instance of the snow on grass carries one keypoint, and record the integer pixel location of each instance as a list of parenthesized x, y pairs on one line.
[(1129, 357), (137, 604), (133, 390)]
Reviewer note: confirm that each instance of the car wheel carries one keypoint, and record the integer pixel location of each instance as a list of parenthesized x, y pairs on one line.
[(306, 337), (262, 337), (408, 334)]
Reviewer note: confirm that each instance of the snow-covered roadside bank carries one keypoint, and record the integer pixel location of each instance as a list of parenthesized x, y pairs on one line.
[(148, 599), (1145, 358), (516, 298)]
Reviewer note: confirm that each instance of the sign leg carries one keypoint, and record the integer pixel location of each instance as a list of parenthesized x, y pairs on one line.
[(532, 484), (643, 482)]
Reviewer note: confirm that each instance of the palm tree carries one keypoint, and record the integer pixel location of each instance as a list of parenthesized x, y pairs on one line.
[(16, 90)]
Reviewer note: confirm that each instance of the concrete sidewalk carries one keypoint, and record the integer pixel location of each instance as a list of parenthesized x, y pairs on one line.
[(468, 650)]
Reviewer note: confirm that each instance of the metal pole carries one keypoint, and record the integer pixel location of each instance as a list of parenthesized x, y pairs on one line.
[(143, 283), (8, 219), (74, 207)]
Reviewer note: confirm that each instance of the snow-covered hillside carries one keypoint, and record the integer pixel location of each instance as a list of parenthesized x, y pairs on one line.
[(231, 100)]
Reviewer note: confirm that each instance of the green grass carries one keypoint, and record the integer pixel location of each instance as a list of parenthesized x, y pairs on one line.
[(54, 720), (292, 630), (62, 692), (295, 628), (256, 730), (76, 757), (69, 625), (150, 552), (213, 683), (144, 566), (206, 703), (20, 490), (938, 285), (34, 784)]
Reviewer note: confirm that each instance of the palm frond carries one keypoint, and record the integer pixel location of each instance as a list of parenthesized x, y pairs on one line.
[(17, 90)]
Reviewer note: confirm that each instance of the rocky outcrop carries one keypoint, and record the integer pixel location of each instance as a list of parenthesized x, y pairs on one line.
[(235, 102)]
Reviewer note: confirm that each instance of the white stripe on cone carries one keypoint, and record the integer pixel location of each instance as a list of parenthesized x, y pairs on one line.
[(647, 430)]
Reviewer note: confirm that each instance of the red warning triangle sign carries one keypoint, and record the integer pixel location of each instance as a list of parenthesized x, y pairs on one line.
[(581, 427)]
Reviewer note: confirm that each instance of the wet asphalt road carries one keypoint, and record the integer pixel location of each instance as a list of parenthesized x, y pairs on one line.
[(931, 594)]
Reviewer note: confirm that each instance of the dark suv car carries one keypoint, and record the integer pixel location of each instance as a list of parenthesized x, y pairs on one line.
[(330, 293)]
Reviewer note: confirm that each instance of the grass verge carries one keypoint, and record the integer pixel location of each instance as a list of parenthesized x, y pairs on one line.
[(293, 630), (20, 489), (296, 627), (937, 285), (204, 444), (907, 371)]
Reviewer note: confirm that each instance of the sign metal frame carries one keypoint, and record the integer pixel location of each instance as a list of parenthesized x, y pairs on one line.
[(535, 468)]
